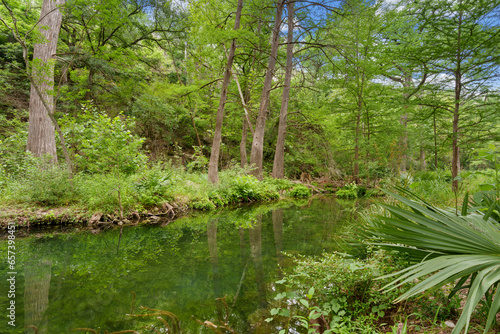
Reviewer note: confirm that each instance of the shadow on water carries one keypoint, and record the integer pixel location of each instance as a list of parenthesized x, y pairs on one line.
[(208, 269)]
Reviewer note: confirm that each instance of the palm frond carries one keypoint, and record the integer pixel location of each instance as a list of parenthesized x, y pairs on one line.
[(449, 248)]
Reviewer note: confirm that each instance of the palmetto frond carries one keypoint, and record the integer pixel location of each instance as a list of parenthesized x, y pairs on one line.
[(450, 248)]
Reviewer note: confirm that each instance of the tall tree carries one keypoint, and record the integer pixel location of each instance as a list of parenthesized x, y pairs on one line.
[(213, 165), (279, 155), (257, 153), (355, 30), (41, 133), (464, 48)]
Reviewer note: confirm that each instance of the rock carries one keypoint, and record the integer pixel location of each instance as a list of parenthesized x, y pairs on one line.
[(449, 324)]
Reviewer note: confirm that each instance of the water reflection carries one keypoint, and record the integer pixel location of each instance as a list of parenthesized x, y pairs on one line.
[(181, 268), (37, 278)]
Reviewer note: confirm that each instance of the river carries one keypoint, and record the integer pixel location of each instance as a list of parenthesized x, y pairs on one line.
[(84, 280)]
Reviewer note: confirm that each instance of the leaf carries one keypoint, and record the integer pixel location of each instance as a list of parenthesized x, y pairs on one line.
[(486, 187), (310, 293), (465, 204), (304, 302), (314, 315), (284, 312), (280, 296), (268, 319), (275, 311)]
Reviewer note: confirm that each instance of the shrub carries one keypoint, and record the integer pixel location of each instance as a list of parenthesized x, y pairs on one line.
[(200, 161), (105, 192), (278, 184), (350, 190), (202, 203), (43, 183), (15, 160), (151, 185), (342, 291), (245, 188), (299, 191), (102, 144)]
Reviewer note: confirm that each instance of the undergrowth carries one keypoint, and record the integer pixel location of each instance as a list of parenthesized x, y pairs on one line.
[(150, 186)]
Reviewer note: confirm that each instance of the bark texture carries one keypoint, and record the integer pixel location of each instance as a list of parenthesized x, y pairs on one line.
[(41, 132), (279, 155), (213, 165), (257, 153)]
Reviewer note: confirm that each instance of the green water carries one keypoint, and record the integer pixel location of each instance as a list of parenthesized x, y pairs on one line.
[(83, 280)]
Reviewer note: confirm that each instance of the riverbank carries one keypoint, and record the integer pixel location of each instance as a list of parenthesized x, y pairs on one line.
[(100, 201)]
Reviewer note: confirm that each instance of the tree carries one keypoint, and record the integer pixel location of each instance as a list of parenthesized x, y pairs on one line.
[(278, 166), (356, 69), (256, 155), (214, 155), (41, 133), (40, 72), (463, 48)]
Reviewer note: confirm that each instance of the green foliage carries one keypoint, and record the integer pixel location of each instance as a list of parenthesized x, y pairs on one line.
[(105, 192), (246, 188), (200, 161), (15, 160), (279, 184), (448, 248), (103, 144), (42, 183), (340, 291), (299, 191), (351, 190), (202, 203), (151, 185)]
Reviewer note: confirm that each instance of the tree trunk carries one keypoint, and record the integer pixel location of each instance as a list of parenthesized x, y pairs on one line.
[(407, 85), (404, 141), (213, 165), (356, 152), (455, 160), (41, 133), (423, 163), (257, 153), (435, 143), (243, 143), (279, 155)]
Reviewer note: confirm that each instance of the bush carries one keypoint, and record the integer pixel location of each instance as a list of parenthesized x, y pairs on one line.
[(104, 192), (202, 203), (151, 185), (343, 291), (43, 183), (300, 191), (350, 190), (200, 161), (245, 188), (278, 184), (103, 144), (15, 160)]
